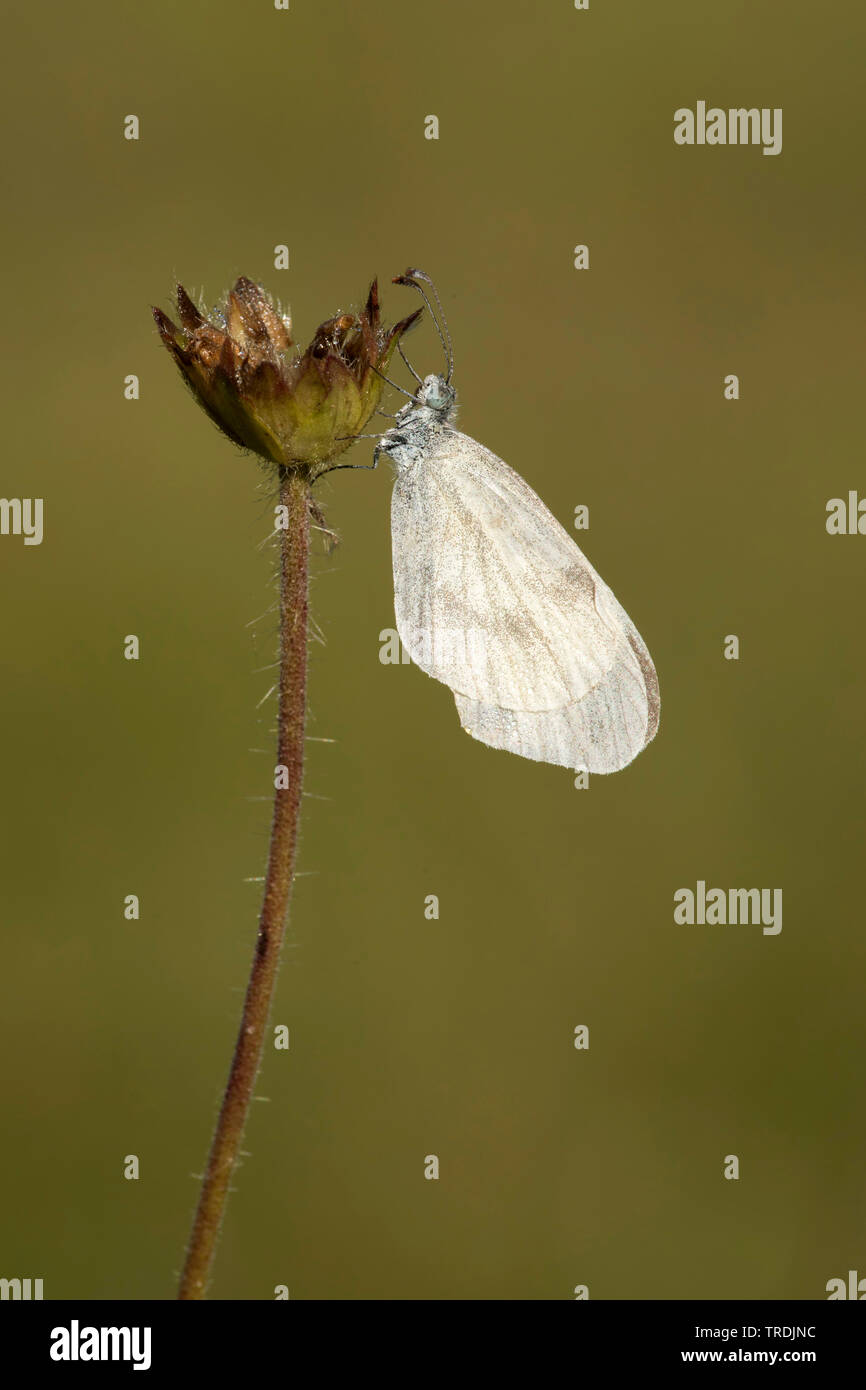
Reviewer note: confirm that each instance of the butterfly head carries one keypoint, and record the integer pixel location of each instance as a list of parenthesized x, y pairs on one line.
[(437, 395)]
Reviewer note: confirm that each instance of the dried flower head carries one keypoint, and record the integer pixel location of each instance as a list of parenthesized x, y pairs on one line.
[(297, 409)]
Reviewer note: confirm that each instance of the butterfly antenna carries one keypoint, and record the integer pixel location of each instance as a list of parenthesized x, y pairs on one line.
[(411, 277), (408, 363), (393, 383)]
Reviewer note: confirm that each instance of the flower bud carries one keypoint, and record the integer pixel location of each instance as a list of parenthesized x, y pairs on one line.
[(296, 409)]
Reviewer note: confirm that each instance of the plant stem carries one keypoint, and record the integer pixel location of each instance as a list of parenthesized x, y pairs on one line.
[(294, 551)]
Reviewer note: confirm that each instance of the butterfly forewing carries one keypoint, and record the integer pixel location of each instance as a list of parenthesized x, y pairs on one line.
[(492, 595)]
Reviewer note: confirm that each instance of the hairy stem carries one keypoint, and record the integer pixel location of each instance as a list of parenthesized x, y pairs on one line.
[(294, 553)]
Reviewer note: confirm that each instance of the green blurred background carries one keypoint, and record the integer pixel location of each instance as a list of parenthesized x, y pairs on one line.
[(603, 387)]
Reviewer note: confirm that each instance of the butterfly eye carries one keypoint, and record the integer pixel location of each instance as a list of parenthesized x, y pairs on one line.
[(437, 394)]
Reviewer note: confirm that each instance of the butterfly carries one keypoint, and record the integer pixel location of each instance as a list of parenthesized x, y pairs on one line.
[(494, 598)]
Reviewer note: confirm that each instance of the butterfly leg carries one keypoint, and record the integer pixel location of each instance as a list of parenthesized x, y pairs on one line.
[(318, 517), (337, 466)]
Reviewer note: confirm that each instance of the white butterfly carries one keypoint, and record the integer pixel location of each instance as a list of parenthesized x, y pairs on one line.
[(494, 598)]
